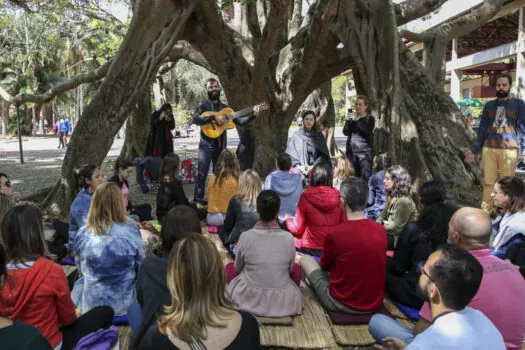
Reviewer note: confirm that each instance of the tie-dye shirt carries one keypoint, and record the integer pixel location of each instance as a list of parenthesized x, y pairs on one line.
[(109, 265)]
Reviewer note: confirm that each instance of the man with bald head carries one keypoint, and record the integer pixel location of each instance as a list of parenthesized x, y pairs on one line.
[(500, 295)]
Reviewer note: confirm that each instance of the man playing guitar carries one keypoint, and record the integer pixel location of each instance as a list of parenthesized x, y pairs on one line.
[(211, 148)]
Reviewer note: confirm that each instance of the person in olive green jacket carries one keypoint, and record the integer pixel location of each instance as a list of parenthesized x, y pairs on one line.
[(399, 208)]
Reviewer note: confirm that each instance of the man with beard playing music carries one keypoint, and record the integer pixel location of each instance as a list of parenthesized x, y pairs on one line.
[(501, 135), (211, 148)]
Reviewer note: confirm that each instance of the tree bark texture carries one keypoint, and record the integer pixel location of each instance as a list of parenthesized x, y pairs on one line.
[(138, 128), (415, 120), (154, 29), (4, 115)]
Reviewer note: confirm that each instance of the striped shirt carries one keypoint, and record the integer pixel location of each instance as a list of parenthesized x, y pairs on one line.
[(502, 125)]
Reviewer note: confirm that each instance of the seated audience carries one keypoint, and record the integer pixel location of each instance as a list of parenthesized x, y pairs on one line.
[(318, 211), (110, 251), (222, 186), (376, 187), (449, 280), (265, 258), (199, 315), (36, 290), (508, 229), (351, 275), (123, 169), (171, 193), (470, 229), (89, 178), (343, 170), (288, 185), (417, 240), (242, 213), (152, 288), (399, 208), (16, 335)]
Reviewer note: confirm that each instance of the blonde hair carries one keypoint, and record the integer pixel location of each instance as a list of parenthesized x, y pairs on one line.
[(343, 169), (107, 207), (227, 165), (250, 185), (197, 282)]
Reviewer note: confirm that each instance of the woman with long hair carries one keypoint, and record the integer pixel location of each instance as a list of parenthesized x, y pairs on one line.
[(152, 287), (360, 141), (508, 229), (110, 251), (307, 146), (242, 212), (416, 242), (319, 209), (222, 186), (376, 187), (399, 208), (89, 178), (35, 289), (199, 315), (160, 139), (343, 170), (171, 193), (122, 170)]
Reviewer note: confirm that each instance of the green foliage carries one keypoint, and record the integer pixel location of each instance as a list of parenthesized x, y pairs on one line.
[(185, 84), (181, 115), (339, 97)]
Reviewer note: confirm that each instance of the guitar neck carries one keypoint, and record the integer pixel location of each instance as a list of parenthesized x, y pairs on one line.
[(242, 113)]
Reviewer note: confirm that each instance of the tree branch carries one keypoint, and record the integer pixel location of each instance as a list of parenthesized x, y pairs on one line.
[(72, 83), (410, 10), (417, 37), (183, 50), (297, 18)]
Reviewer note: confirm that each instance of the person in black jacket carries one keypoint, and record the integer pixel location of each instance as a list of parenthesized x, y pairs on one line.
[(516, 257), (417, 241), (360, 141), (211, 148), (160, 139), (242, 213), (122, 170), (171, 192), (152, 288)]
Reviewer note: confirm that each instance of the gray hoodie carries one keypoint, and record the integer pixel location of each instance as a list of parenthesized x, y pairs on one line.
[(289, 187)]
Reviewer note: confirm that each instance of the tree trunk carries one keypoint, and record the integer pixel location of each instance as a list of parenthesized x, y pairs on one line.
[(154, 29), (138, 128), (4, 114), (322, 103), (415, 120)]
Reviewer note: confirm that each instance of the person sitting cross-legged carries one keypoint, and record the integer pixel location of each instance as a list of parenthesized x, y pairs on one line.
[(417, 241), (449, 280), (351, 274), (264, 261), (499, 297), (318, 211)]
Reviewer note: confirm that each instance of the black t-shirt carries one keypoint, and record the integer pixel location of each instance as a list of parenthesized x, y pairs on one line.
[(21, 336), (247, 338)]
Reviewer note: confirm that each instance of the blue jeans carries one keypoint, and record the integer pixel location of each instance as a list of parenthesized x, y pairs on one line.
[(381, 326), (207, 154), (135, 317)]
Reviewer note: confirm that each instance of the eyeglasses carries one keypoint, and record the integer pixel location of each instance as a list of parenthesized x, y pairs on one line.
[(421, 270)]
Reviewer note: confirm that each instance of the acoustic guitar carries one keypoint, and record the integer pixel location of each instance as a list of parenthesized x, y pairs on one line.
[(215, 130)]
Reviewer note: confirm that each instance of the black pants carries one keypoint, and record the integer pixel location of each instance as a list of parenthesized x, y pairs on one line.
[(398, 289), (362, 162), (91, 321), (61, 139), (207, 154)]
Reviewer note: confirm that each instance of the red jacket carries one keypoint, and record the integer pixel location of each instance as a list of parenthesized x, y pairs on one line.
[(318, 210), (39, 296)]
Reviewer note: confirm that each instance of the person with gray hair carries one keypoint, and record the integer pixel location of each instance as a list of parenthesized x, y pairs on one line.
[(500, 295), (351, 275)]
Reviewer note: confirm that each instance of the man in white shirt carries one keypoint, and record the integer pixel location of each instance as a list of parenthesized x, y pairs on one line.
[(449, 280)]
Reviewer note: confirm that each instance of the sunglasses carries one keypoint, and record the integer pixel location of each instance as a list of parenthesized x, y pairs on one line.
[(421, 270)]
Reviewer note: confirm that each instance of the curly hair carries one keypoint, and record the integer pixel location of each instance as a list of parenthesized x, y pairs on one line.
[(343, 169), (227, 165), (402, 181)]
